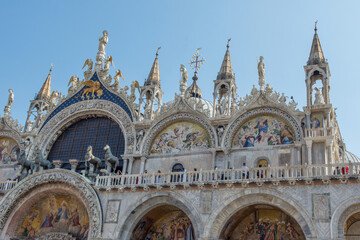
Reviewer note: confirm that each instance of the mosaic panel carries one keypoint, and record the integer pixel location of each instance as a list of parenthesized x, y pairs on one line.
[(174, 225), (55, 213), (107, 95), (263, 130), (9, 150), (181, 136)]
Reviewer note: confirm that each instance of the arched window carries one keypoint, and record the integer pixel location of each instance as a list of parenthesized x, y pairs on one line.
[(262, 163), (178, 167), (97, 132)]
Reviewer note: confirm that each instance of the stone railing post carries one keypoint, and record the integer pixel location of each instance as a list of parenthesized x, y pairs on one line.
[(57, 163), (309, 152), (200, 175), (73, 163)]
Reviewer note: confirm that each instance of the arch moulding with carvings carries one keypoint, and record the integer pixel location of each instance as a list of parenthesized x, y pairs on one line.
[(141, 207), (220, 216), (12, 205), (246, 115), (100, 108), (158, 126)]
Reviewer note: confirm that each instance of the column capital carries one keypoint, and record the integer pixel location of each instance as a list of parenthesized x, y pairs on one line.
[(308, 143), (329, 142), (143, 158)]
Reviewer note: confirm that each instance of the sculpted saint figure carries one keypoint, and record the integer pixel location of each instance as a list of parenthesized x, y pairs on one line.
[(183, 79), (319, 99), (10, 99), (261, 69), (103, 41)]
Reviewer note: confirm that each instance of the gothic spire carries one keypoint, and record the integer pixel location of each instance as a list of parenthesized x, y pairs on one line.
[(316, 54), (154, 75), (226, 70), (45, 91)]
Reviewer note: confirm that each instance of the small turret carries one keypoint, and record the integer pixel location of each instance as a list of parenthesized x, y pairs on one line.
[(151, 92), (225, 88)]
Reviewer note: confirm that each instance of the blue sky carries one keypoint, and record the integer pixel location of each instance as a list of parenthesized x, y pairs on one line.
[(65, 33)]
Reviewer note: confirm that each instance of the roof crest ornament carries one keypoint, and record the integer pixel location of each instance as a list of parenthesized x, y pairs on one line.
[(315, 29), (228, 41)]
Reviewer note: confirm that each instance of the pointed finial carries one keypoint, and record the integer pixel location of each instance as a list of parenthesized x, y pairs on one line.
[(157, 52), (51, 68), (315, 29), (228, 41)]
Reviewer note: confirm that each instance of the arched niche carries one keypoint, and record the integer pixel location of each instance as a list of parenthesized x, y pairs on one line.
[(27, 198), (179, 133), (261, 221), (82, 110), (220, 217), (94, 131), (262, 127), (160, 206)]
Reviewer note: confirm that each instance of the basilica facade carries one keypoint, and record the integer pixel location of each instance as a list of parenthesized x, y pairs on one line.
[(109, 162)]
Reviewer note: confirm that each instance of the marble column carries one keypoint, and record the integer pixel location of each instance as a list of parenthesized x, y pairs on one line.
[(309, 151), (142, 164), (131, 161), (125, 164), (213, 159)]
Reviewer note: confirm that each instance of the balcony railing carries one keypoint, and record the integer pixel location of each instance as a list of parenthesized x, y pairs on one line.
[(302, 172), (319, 132), (6, 186)]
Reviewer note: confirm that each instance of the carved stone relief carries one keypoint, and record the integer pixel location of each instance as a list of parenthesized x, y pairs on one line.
[(321, 206), (112, 211), (206, 201)]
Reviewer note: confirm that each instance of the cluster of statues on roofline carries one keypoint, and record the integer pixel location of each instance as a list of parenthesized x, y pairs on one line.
[(92, 162)]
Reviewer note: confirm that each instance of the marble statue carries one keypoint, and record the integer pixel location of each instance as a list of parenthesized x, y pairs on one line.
[(11, 98), (183, 79), (261, 68), (54, 97), (319, 99), (9, 103), (254, 91), (241, 102), (115, 86), (74, 81), (261, 72), (89, 64), (139, 137), (90, 158), (134, 84), (103, 41), (268, 90), (147, 110), (292, 104), (111, 161), (283, 98), (29, 126), (40, 161)]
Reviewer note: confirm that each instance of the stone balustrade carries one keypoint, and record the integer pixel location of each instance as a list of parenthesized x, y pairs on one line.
[(264, 174), (6, 186), (319, 132)]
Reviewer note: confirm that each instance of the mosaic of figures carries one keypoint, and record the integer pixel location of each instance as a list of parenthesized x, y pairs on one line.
[(265, 224), (173, 226), (263, 130), (181, 136), (9, 150), (55, 213)]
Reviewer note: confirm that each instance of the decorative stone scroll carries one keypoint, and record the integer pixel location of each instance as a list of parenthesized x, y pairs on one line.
[(234, 127), (88, 195)]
